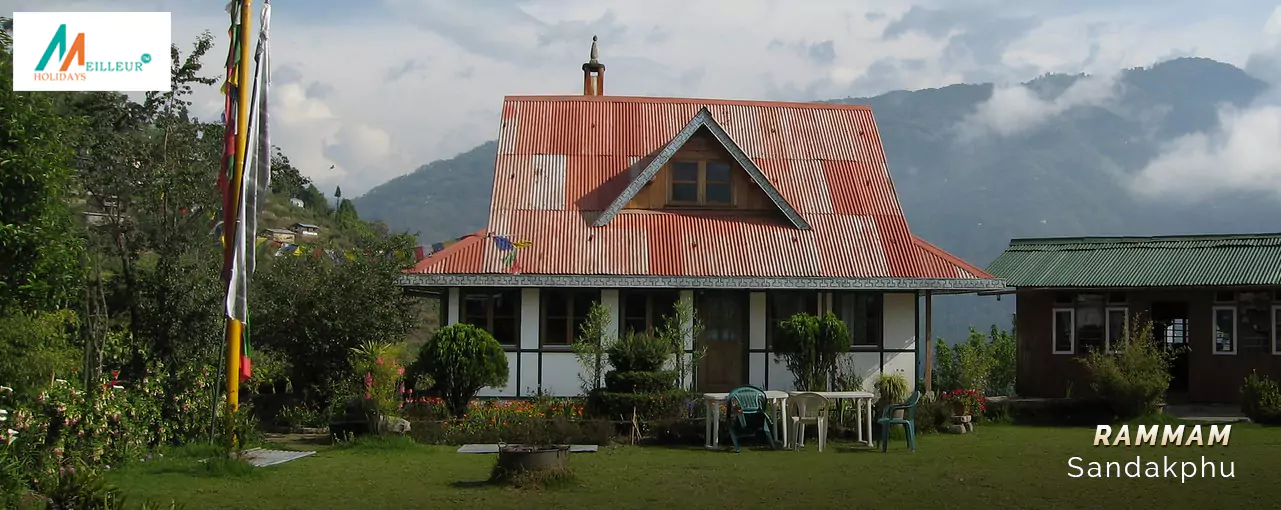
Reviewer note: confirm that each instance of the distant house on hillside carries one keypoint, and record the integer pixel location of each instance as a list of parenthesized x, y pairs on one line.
[(278, 235), (305, 229), (1217, 295), (754, 211)]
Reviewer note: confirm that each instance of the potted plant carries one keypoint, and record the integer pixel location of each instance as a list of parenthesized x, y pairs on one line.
[(966, 401), (891, 389)]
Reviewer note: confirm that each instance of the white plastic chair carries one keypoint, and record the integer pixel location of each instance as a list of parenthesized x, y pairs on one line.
[(808, 409)]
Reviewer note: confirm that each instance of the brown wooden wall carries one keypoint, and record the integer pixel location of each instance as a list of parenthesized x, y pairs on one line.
[(702, 146), (1212, 378)]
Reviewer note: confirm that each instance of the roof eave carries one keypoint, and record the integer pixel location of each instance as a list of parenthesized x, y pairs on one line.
[(948, 285)]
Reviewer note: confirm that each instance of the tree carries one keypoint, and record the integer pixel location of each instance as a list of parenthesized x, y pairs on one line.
[(589, 347), (338, 197), (40, 252), (681, 325), (811, 346), (462, 359), (315, 200), (285, 178), (315, 311)]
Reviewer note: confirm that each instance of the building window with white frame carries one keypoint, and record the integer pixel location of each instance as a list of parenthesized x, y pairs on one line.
[(1225, 330), (1118, 326), (1064, 332), (1276, 329)]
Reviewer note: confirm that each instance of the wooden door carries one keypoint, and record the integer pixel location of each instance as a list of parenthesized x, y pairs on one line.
[(724, 318)]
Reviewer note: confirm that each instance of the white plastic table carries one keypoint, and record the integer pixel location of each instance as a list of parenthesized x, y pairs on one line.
[(775, 400), (858, 397)]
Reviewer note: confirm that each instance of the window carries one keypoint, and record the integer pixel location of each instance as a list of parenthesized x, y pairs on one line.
[(645, 312), (1225, 330), (861, 312), (782, 305), (1254, 321), (1118, 326), (1090, 325), (702, 183), (564, 311), (1064, 332), (1276, 329), (495, 311)]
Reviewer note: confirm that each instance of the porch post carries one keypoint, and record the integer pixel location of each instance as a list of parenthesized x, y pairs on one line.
[(689, 340), (929, 340), (452, 306)]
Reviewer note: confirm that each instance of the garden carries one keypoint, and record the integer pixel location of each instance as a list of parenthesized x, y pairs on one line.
[(112, 381)]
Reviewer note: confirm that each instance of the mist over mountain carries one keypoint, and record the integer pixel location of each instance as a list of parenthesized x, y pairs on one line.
[(1180, 147)]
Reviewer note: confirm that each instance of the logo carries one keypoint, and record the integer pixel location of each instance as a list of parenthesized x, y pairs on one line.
[(90, 51)]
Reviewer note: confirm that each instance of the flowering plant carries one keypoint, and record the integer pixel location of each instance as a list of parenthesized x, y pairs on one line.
[(972, 401), (381, 377)]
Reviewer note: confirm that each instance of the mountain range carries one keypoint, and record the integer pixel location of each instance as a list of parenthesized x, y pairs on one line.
[(963, 187)]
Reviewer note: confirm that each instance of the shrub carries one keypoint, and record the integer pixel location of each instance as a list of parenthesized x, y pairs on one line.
[(683, 323), (891, 389), (638, 352), (590, 345), (1133, 378), (381, 377), (932, 414), (648, 406), (462, 359), (811, 346), (981, 362), (640, 382), (1261, 399)]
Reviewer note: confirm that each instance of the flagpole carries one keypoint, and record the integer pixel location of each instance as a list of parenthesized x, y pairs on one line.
[(234, 327)]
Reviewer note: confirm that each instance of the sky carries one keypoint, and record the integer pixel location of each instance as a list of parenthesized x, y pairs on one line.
[(366, 91)]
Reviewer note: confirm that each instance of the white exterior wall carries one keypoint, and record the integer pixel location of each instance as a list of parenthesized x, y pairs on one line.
[(557, 371)]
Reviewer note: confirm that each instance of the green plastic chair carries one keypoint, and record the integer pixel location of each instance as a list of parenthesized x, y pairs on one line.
[(908, 421), (745, 401)]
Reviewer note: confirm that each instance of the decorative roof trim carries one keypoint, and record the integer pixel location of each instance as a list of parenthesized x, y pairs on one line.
[(702, 119), (697, 282)]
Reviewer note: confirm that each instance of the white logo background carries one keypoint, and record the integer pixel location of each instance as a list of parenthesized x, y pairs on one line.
[(109, 37)]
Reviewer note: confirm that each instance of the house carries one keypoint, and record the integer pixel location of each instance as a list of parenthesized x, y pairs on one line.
[(753, 210), (1217, 295), (278, 235), (296, 202), (305, 229)]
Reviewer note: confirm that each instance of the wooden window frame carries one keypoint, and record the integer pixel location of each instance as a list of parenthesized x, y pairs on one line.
[(1054, 330), (1276, 329), (571, 320), (1107, 325), (1214, 326), (878, 330), (772, 322), (653, 318), (490, 315), (701, 182)]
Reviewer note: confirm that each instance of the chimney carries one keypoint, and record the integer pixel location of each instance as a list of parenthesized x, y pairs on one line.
[(594, 74)]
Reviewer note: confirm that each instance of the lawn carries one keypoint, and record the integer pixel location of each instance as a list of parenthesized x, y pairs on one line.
[(995, 467)]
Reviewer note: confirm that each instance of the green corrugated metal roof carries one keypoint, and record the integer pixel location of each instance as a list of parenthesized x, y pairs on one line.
[(1164, 261)]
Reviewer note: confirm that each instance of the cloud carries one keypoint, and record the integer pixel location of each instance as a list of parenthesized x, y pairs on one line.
[(1241, 157), (378, 88), (1019, 109)]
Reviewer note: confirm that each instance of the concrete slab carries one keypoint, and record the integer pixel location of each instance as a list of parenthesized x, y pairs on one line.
[(263, 458), (493, 448)]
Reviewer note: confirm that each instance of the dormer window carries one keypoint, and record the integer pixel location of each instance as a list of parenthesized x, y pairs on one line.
[(701, 183)]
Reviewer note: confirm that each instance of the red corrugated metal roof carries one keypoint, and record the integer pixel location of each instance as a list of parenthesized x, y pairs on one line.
[(563, 159)]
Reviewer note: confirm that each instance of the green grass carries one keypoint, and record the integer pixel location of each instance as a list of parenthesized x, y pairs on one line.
[(997, 466)]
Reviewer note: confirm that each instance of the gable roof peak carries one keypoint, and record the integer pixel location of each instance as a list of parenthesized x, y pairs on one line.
[(702, 120)]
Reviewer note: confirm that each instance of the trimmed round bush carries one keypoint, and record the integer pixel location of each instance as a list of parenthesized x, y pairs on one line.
[(640, 382), (462, 359), (649, 406), (638, 352)]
